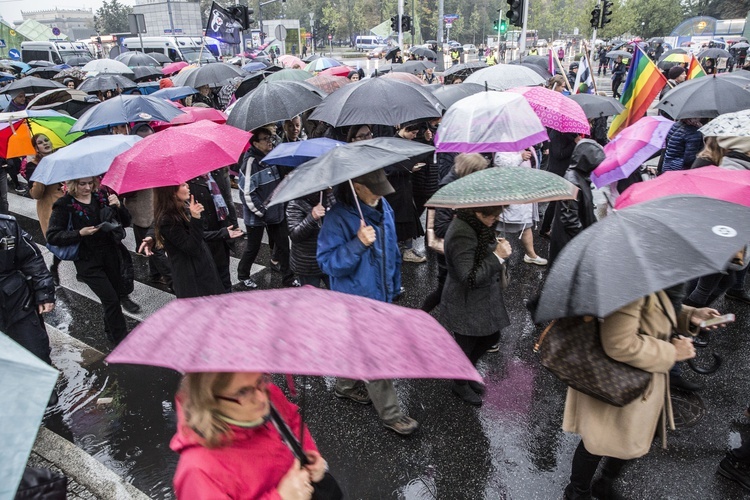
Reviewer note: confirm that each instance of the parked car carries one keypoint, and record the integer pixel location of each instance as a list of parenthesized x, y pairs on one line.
[(541, 42), (378, 52), (470, 48)]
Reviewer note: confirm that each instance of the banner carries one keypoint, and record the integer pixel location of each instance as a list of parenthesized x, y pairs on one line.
[(221, 26)]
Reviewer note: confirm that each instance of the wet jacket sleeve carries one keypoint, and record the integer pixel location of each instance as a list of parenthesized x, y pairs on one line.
[(300, 222), (459, 256), (200, 485), (57, 230), (445, 162), (569, 217), (31, 263), (252, 199), (338, 254), (190, 241), (443, 218)]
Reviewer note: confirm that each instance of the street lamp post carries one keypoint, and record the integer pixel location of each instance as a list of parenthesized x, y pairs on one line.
[(260, 17), (312, 32)]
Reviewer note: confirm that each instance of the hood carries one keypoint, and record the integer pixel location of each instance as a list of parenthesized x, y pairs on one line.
[(185, 437), (587, 155), (739, 144)]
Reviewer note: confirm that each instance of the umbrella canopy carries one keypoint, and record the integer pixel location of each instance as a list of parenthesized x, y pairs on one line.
[(555, 110), (379, 102), (728, 125), (4, 77), (17, 129), (254, 66), (489, 122), (107, 66), (44, 72), (250, 83), (668, 53), (503, 186), (711, 182), (614, 54), (311, 58), (423, 52), (294, 154), (462, 70), (505, 76), (596, 106), (543, 72), (142, 72), (391, 54), (383, 69), (71, 101), (706, 97), (336, 71), (713, 53), (740, 46), (74, 73), (737, 73), (175, 67), (271, 102), (176, 155), (78, 60), (289, 61), (40, 64), (327, 83), (133, 58), (325, 336), (404, 77), (642, 249), (344, 163), (27, 383), (31, 85), (103, 82), (126, 109), (88, 157), (677, 57), (174, 93), (414, 67), (321, 64), (213, 75), (451, 94), (192, 115), (630, 148), (289, 75), (18, 65)]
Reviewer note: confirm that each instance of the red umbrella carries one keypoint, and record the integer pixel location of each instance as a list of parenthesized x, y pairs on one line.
[(336, 71), (193, 115), (174, 67), (712, 182), (176, 155), (328, 83)]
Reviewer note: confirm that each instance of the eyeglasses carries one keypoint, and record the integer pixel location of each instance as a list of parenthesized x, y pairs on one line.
[(363, 137), (84, 184), (250, 392)]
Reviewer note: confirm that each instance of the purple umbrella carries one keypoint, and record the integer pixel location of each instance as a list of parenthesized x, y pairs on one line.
[(630, 148), (305, 331)]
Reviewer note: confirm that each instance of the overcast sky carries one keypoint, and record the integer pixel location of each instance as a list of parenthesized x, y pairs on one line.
[(10, 10)]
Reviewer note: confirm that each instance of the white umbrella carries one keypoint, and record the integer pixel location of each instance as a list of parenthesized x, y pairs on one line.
[(107, 66), (505, 76), (489, 122)]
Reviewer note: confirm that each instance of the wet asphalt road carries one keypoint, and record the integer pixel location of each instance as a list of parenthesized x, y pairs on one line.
[(510, 448)]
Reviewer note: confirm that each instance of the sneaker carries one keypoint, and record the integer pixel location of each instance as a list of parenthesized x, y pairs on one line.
[(129, 305), (404, 425), (275, 266), (411, 256), (250, 284), (736, 470), (359, 395), (742, 296), (494, 348), (295, 283), (537, 260), (466, 393), (477, 387)]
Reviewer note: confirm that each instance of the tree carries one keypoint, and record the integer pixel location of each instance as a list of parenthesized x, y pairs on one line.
[(112, 17)]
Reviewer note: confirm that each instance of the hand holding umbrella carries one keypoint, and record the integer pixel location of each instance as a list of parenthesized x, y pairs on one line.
[(366, 234)]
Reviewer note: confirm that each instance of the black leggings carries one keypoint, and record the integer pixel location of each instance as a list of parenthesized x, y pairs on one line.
[(584, 468), (475, 347)]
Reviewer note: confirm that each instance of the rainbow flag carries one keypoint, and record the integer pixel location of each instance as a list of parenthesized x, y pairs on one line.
[(642, 85), (694, 68)]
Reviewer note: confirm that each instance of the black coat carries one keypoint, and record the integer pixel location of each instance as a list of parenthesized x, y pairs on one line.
[(194, 272), (571, 216), (303, 231), (561, 147), (214, 229)]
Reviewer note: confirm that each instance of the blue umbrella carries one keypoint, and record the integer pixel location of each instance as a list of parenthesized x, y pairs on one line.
[(25, 386), (125, 109), (174, 93), (253, 66), (88, 157), (293, 154), (4, 77), (23, 67)]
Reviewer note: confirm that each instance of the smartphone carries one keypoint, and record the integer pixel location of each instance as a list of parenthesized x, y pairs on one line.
[(718, 320)]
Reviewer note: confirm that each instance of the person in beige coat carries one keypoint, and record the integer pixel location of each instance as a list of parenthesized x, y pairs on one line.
[(637, 334)]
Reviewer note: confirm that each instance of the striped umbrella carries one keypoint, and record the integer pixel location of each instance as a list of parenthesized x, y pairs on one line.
[(16, 130), (321, 64)]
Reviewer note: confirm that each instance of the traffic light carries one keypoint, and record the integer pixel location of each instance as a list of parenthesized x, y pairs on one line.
[(394, 23), (503, 26), (596, 16), (241, 14), (405, 23), (496, 26), (515, 12), (606, 13)]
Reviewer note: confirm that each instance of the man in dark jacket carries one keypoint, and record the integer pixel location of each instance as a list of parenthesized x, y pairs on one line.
[(257, 182), (572, 73), (28, 289), (561, 145), (603, 60), (618, 73)]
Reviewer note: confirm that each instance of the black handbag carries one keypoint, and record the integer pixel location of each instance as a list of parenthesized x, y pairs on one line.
[(571, 348), (66, 252)]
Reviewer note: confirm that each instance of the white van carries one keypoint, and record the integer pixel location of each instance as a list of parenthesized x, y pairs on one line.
[(177, 48), (363, 43), (54, 52)]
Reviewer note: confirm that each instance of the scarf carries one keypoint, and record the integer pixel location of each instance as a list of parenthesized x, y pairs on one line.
[(485, 237), (222, 211)]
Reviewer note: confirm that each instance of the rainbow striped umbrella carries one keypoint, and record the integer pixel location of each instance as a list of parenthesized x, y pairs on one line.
[(321, 64), (16, 130)]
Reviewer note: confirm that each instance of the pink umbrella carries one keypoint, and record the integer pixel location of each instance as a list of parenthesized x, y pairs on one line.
[(630, 148), (712, 182), (404, 77), (174, 67), (192, 115), (336, 71), (176, 155), (304, 331), (289, 61), (555, 110)]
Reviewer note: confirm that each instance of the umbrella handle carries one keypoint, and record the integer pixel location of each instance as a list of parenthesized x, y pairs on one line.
[(356, 202)]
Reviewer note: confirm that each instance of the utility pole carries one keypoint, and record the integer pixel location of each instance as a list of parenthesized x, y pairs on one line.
[(522, 42), (441, 57), (171, 21), (400, 21)]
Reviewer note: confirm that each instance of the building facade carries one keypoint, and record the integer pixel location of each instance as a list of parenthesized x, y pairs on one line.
[(65, 19), (185, 19)]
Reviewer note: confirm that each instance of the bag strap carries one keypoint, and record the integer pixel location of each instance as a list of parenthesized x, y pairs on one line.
[(544, 334), (70, 222)]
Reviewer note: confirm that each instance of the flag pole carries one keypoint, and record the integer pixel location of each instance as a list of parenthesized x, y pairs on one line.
[(591, 68), (562, 70)]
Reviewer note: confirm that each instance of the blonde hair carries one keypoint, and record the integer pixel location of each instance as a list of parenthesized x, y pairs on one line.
[(557, 81), (711, 150), (72, 185), (201, 409), (466, 164)]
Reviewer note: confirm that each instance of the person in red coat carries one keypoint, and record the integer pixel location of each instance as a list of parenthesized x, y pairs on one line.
[(228, 447)]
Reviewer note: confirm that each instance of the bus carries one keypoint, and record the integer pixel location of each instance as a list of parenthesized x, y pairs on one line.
[(54, 52), (367, 42)]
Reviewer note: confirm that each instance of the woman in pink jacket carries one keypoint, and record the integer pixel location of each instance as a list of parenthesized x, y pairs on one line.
[(228, 446)]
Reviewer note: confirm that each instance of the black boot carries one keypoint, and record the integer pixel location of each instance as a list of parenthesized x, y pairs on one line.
[(602, 487), (735, 469), (55, 274)]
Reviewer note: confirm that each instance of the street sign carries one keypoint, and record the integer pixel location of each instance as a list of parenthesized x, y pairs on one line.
[(448, 25), (14, 54), (56, 31), (137, 23), (280, 32), (2, 44), (450, 18)]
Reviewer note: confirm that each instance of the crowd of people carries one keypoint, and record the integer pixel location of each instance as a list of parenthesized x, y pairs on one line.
[(354, 238)]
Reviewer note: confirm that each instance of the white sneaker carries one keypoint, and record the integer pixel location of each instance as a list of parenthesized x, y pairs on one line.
[(538, 260), (411, 256)]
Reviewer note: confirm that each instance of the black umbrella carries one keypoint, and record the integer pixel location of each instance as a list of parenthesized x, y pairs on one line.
[(133, 58), (272, 102), (213, 75), (424, 52), (378, 101), (40, 64), (656, 40), (596, 106), (385, 68), (146, 72), (311, 58), (541, 71), (642, 249), (344, 163), (532, 60), (666, 65), (71, 101), (706, 97), (740, 46), (738, 73), (43, 72), (462, 70), (31, 85), (102, 82), (451, 94), (160, 57), (413, 67), (126, 109), (614, 54), (391, 54), (713, 53), (78, 60), (249, 83)]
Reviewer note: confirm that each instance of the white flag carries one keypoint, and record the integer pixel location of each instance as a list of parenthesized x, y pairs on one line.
[(584, 76)]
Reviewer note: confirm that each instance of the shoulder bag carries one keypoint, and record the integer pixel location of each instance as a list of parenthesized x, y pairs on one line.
[(66, 252)]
